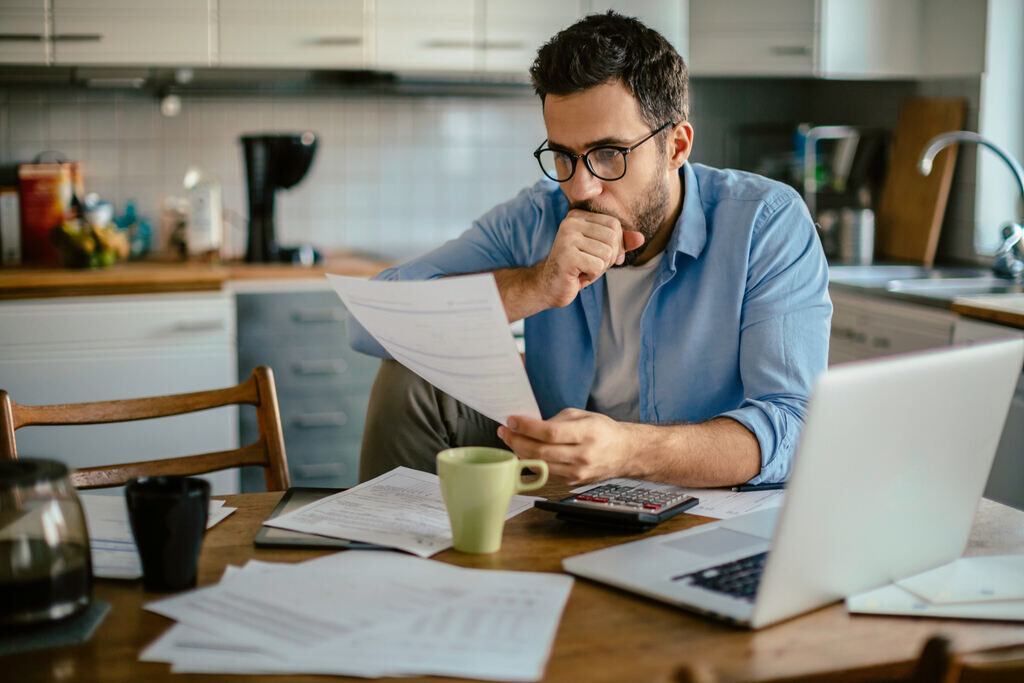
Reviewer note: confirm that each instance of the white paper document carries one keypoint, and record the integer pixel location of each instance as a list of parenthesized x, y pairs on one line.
[(452, 332), (366, 613), (110, 534), (717, 503), (987, 587), (400, 509)]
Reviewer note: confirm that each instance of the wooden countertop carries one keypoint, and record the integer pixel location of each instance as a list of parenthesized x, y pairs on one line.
[(1002, 309), (149, 277)]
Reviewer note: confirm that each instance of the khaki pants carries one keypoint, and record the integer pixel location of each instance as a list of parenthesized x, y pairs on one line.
[(409, 421)]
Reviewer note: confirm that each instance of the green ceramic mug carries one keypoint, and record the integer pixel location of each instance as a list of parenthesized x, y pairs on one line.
[(477, 484)]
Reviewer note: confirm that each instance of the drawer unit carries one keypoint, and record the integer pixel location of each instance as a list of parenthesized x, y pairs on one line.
[(108, 347), (323, 386)]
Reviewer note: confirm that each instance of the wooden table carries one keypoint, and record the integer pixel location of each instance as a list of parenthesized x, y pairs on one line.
[(605, 634)]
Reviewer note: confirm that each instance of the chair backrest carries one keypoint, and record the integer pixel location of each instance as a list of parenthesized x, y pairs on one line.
[(257, 390)]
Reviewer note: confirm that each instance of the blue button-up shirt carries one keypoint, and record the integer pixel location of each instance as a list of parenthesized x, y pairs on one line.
[(737, 324)]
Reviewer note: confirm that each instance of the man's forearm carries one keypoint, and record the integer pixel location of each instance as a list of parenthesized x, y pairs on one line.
[(520, 293), (720, 452)]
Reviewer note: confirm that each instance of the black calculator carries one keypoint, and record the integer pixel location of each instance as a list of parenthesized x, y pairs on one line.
[(633, 504)]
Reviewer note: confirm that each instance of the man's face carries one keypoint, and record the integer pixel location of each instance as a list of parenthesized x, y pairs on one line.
[(608, 115)]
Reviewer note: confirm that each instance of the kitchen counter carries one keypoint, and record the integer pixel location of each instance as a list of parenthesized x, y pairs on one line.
[(1002, 309), (148, 277)]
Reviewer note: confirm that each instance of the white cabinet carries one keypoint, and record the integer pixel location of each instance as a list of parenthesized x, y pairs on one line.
[(313, 33), (136, 32), (670, 18), (427, 37), (513, 31), (24, 32), (753, 37), (98, 348), (835, 38), (867, 328)]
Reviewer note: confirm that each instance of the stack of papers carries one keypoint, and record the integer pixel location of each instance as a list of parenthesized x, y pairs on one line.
[(366, 613), (968, 588), (400, 509), (111, 543)]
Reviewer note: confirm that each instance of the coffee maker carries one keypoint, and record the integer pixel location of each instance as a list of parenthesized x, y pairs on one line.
[(272, 161)]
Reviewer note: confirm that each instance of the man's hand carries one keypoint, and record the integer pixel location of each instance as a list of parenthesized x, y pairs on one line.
[(579, 446), (587, 244)]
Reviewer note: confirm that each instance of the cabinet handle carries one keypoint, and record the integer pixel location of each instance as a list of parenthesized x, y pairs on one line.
[(317, 420), (77, 38), (199, 325), (319, 367), (790, 50), (323, 469), (319, 315), (21, 37), (335, 41), (462, 43), (881, 342)]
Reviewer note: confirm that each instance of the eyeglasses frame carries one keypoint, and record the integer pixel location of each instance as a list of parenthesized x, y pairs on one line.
[(624, 151)]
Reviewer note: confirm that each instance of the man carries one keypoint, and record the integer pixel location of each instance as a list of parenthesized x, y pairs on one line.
[(675, 314)]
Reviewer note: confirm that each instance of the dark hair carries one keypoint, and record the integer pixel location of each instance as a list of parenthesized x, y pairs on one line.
[(607, 47)]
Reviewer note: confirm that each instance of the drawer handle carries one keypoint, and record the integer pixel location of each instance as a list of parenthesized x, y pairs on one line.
[(319, 367), (78, 37), (317, 420), (319, 315), (323, 469), (790, 50), (21, 38), (199, 325)]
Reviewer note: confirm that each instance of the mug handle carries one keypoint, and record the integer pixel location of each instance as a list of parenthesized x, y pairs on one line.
[(542, 475)]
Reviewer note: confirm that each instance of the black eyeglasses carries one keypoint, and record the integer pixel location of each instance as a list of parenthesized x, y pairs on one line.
[(606, 162)]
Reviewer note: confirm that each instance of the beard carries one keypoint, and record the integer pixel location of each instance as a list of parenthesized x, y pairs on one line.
[(645, 215)]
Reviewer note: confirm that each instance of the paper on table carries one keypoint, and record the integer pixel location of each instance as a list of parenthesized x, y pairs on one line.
[(367, 614), (892, 599), (400, 509), (111, 542), (452, 332), (970, 579), (717, 503)]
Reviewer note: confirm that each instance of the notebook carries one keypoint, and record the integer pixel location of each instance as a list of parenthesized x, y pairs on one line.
[(888, 472)]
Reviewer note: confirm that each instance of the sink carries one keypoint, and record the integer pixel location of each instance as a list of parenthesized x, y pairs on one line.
[(950, 288), (882, 275)]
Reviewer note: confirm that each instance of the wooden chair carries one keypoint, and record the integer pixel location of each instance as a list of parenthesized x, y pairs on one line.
[(257, 390)]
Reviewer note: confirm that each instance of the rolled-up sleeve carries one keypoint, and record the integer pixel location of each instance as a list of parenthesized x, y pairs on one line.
[(784, 331), (495, 241)]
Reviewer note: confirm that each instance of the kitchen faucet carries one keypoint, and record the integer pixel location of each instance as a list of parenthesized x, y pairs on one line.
[(1009, 258)]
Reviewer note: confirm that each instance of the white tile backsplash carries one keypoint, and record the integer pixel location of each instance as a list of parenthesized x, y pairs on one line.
[(392, 171)]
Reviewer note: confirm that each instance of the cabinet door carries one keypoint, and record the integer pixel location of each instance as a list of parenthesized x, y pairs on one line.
[(103, 348), (416, 36), (870, 38), (766, 37), (23, 32), (137, 32), (869, 328), (313, 33), (514, 31)]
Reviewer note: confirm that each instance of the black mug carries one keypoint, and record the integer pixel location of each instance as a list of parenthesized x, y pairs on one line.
[(168, 518)]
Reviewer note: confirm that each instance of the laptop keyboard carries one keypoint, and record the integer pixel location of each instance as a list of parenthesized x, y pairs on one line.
[(738, 578)]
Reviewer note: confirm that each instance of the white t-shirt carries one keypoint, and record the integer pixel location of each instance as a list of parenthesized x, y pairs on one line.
[(616, 381)]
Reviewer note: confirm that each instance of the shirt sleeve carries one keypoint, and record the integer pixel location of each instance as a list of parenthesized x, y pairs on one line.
[(784, 331), (501, 238)]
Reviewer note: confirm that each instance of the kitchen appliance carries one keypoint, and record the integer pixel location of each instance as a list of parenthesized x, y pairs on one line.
[(45, 568), (271, 162)]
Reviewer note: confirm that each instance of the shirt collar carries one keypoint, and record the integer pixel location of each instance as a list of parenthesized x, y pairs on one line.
[(690, 233)]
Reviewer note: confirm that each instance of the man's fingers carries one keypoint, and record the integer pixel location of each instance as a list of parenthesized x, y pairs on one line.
[(552, 431), (632, 239)]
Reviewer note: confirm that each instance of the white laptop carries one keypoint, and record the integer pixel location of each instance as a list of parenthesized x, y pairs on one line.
[(891, 463)]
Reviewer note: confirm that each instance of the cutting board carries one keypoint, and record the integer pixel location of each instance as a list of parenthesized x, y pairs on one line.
[(912, 205)]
